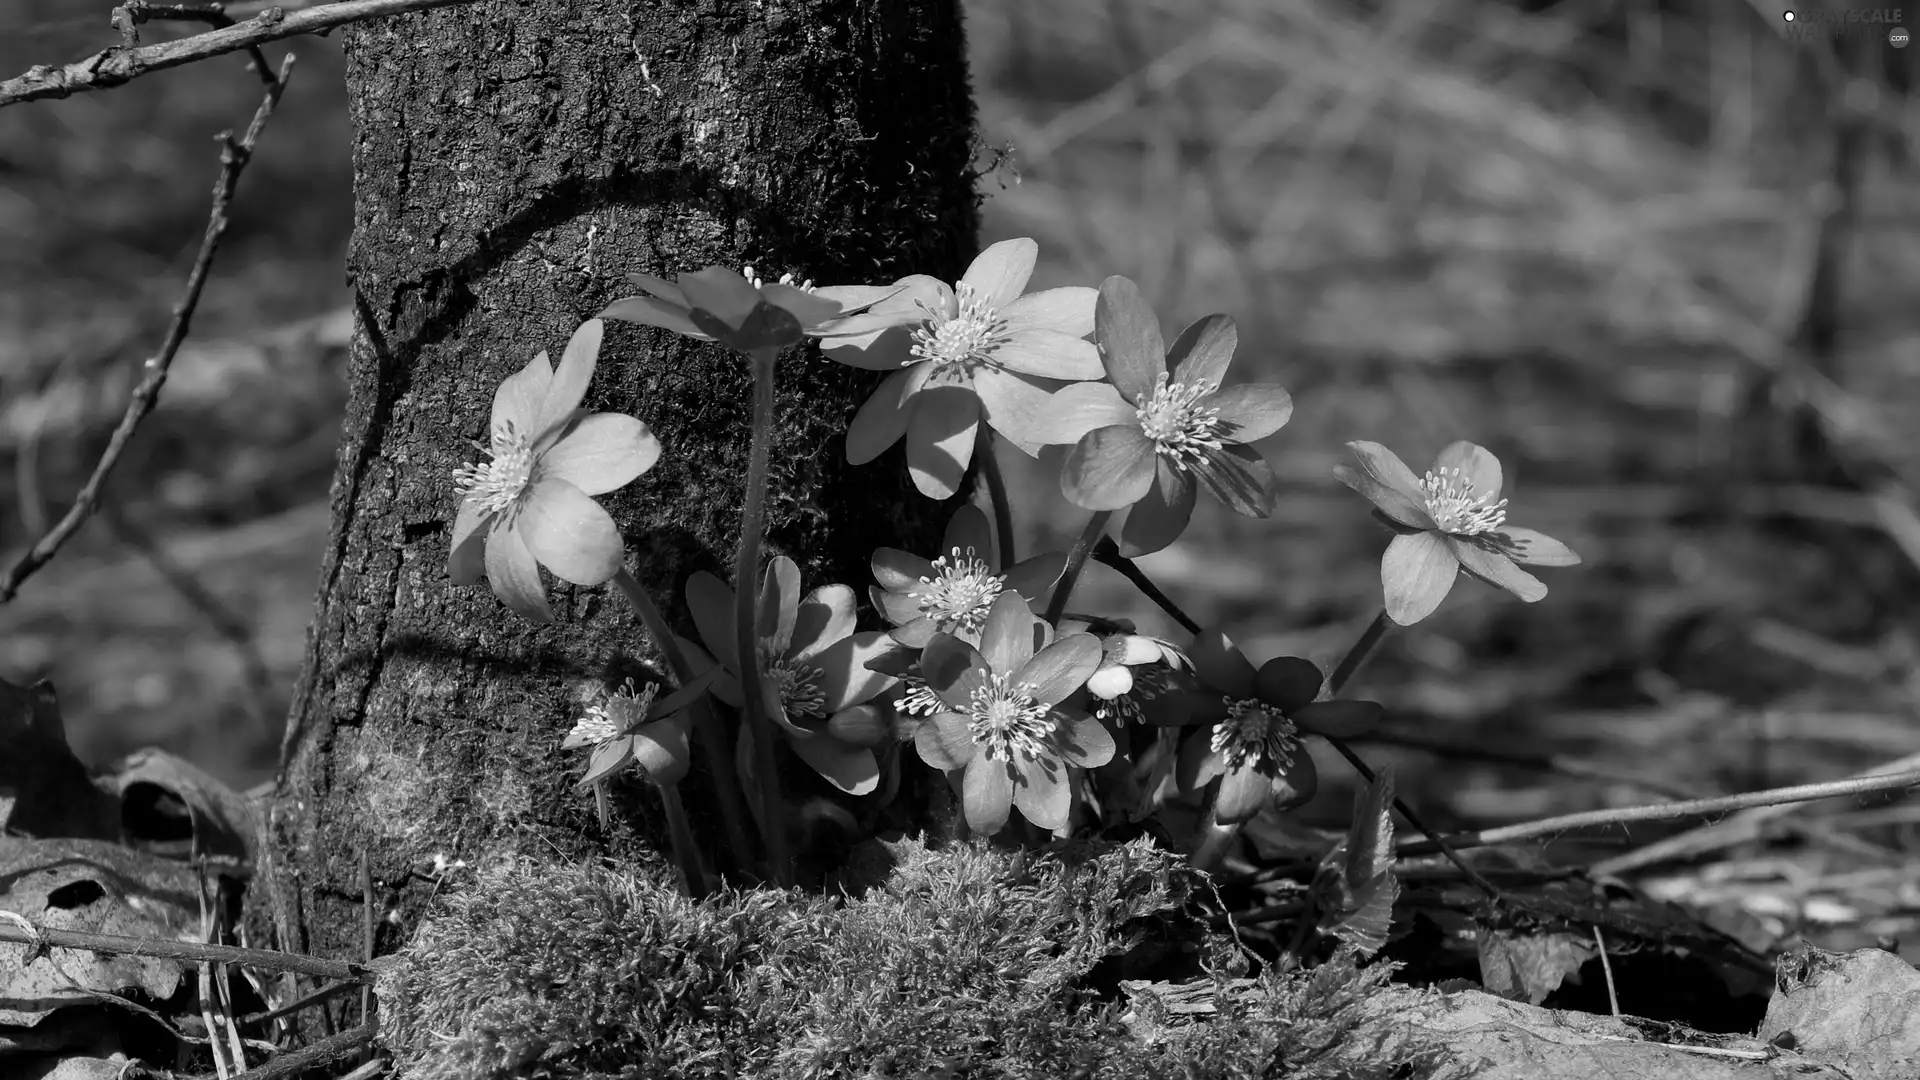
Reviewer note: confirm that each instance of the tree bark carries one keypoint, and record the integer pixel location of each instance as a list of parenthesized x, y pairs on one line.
[(512, 161)]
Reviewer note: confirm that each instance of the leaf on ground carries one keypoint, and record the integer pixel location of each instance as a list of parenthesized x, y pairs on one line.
[(1528, 967), (1859, 1010), (1359, 871), (44, 789), (93, 887), (170, 806)]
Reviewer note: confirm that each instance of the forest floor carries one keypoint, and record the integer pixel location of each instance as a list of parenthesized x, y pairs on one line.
[(1558, 236)]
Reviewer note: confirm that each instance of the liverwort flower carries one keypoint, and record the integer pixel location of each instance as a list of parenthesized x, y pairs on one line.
[(979, 349), (532, 506), (1452, 519), (627, 725), (1002, 722), (814, 665), (1253, 744), (952, 594), (741, 311), (1163, 423)]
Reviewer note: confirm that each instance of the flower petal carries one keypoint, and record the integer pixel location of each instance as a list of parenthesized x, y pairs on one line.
[(1221, 665), (710, 601), (882, 339), (945, 742), (1530, 548), (1239, 477), (570, 534), (999, 274), (811, 309), (1067, 310), (1061, 668), (1199, 762), (1496, 569), (899, 571), (845, 679), (987, 794), (1086, 742), (1011, 634), (1203, 350), (722, 293), (608, 757), (602, 452), (1049, 354), (827, 615), (1297, 780), (1128, 331), (883, 417), (1476, 464), (1073, 411), (1110, 469), (969, 531), (953, 669), (1035, 578), (1244, 792), (466, 549), (1287, 683), (659, 287), (1160, 518), (1339, 719), (517, 399), (1043, 795), (915, 632), (1386, 482), (1251, 411), (779, 603), (660, 751), (850, 768), (1015, 405), (940, 439), (1416, 574), (569, 384), (648, 311), (513, 574)]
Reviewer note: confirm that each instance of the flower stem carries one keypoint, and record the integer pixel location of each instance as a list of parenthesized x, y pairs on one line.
[(746, 575), (686, 853), (996, 485), (1076, 561), (712, 743), (1357, 655), (1107, 553)]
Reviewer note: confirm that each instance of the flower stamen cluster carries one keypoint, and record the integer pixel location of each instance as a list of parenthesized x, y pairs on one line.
[(496, 484), (1455, 507), (969, 336), (919, 699), (1179, 430), (754, 280), (798, 684), (1005, 719), (1254, 730), (1149, 682), (960, 591), (614, 715)]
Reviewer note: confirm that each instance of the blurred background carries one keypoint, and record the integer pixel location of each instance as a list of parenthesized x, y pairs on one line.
[(1657, 256)]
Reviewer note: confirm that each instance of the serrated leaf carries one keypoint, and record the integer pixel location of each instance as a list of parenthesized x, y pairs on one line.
[(1359, 872), (1528, 967)]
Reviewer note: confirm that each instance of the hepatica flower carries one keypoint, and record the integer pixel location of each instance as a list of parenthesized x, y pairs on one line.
[(1163, 423), (627, 725), (816, 678), (1452, 519), (1254, 746), (739, 310), (978, 349), (532, 505), (1001, 719), (952, 593)]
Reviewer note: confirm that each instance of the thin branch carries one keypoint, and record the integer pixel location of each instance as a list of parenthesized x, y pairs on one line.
[(332, 1050), (130, 16), (1564, 765), (233, 160), (119, 65), (1668, 811), (159, 948)]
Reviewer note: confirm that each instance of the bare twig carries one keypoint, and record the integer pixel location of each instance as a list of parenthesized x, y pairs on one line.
[(331, 1050), (128, 17), (1606, 968), (159, 948), (1562, 764), (119, 65), (233, 160), (1668, 811)]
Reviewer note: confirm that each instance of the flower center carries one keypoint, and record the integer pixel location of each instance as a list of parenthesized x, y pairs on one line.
[(960, 592), (1005, 720), (969, 336), (919, 700), (616, 714), (1255, 730), (496, 484), (1456, 509), (797, 684), (1149, 682), (1179, 429)]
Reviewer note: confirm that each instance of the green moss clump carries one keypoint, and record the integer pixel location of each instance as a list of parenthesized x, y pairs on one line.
[(963, 962)]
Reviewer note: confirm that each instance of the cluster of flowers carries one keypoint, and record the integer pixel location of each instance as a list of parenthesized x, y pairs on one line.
[(1050, 715)]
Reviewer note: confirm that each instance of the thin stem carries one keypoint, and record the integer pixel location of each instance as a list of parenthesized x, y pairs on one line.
[(996, 485), (1357, 655), (746, 575), (712, 744), (1076, 561), (686, 853), (1107, 553)]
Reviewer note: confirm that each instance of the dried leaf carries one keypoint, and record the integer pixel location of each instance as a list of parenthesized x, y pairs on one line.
[(169, 806), (44, 789), (1528, 967)]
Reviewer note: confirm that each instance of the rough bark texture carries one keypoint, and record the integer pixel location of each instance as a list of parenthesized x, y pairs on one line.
[(512, 161)]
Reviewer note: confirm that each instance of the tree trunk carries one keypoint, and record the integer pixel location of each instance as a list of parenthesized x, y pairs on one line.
[(512, 161)]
